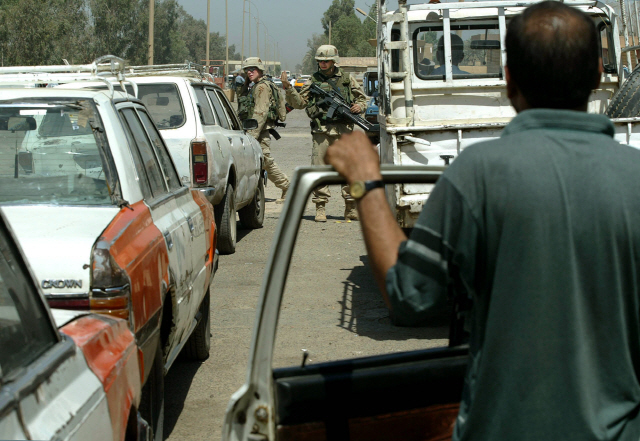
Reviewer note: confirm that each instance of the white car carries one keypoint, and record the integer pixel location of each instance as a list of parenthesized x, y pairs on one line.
[(75, 378), (210, 148)]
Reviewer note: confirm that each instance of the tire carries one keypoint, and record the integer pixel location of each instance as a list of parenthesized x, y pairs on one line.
[(225, 214), (199, 343), (625, 103), (252, 216), (152, 401)]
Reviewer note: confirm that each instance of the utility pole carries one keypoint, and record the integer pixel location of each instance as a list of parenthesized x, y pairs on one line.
[(208, 32), (242, 55), (329, 32), (226, 24), (151, 20)]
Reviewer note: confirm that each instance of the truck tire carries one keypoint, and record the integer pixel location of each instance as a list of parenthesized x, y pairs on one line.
[(199, 343), (225, 214), (152, 400), (625, 103), (252, 215)]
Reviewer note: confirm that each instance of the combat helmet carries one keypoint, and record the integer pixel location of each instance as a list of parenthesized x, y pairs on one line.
[(253, 62), (327, 52)]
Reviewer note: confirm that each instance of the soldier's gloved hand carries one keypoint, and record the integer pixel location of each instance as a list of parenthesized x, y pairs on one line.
[(355, 108), (285, 82)]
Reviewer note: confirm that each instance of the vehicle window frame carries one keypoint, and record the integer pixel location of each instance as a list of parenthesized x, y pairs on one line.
[(218, 108), (231, 115), (30, 308), (136, 147), (196, 91), (143, 179), (461, 26), (167, 166), (180, 101)]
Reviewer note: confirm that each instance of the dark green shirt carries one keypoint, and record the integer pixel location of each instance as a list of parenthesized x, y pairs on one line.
[(541, 230)]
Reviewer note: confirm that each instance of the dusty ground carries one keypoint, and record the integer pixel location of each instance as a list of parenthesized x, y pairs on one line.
[(331, 305)]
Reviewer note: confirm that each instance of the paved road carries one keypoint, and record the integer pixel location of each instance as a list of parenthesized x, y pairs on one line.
[(331, 305)]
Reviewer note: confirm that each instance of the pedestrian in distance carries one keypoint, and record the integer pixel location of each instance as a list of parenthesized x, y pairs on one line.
[(324, 130), (535, 235), (261, 101)]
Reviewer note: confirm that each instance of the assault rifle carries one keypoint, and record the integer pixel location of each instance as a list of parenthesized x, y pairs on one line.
[(338, 108)]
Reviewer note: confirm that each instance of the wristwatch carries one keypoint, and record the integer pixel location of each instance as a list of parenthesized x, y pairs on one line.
[(359, 188)]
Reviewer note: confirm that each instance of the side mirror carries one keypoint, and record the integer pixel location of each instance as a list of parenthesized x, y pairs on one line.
[(250, 124)]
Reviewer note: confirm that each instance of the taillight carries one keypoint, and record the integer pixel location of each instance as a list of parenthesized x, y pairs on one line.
[(199, 162), (110, 284)]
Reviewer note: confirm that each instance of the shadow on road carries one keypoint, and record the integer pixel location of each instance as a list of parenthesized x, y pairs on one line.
[(364, 312), (177, 383)]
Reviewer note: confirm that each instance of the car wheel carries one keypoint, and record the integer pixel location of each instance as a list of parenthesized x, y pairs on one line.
[(625, 103), (225, 213), (252, 216), (199, 343), (152, 400)]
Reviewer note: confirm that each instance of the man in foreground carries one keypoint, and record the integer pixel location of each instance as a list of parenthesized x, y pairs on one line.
[(540, 232)]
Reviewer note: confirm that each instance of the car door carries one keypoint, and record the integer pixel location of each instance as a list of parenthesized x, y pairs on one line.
[(169, 218), (198, 247), (252, 152), (223, 158), (47, 390), (411, 395), (239, 148)]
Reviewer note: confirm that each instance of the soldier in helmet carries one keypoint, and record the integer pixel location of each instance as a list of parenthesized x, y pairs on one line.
[(326, 131), (258, 101)]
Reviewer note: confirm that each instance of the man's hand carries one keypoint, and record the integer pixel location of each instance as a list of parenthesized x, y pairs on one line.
[(285, 81), (355, 108), (354, 157)]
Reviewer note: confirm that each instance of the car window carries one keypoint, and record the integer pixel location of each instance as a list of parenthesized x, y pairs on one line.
[(231, 115), (475, 51), (164, 104), (137, 160), (222, 116), (161, 151), (49, 153), (204, 108), (26, 331), (150, 164), (347, 318)]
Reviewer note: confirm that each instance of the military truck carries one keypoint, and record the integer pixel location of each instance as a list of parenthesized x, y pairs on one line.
[(442, 84)]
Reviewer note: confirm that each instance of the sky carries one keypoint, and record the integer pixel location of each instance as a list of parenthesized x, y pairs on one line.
[(289, 24)]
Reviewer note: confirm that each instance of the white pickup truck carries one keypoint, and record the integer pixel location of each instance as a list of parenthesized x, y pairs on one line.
[(431, 111)]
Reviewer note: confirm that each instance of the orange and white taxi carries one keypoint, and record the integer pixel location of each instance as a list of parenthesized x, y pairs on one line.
[(92, 193)]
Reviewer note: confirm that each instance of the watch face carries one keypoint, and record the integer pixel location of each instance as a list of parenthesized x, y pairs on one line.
[(357, 189)]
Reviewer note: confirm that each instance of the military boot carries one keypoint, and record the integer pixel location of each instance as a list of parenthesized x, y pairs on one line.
[(284, 193), (350, 211), (321, 215)]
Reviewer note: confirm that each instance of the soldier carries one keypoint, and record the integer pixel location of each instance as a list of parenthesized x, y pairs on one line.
[(326, 131), (259, 102)]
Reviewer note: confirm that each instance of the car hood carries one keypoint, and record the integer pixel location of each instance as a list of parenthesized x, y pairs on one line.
[(57, 241)]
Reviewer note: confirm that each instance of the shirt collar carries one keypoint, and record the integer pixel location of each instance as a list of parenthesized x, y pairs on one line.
[(556, 119)]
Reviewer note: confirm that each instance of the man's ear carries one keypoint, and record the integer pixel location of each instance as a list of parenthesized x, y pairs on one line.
[(511, 87), (600, 72), (513, 92)]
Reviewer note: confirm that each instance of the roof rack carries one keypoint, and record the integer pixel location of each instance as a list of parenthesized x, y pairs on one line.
[(107, 69), (187, 69)]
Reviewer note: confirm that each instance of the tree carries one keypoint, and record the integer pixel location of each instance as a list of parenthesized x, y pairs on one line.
[(338, 9), (309, 64)]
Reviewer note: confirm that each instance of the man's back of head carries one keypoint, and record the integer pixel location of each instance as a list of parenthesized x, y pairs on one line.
[(552, 56)]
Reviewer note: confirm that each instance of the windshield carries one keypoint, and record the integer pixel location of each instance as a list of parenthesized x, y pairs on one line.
[(475, 52), (54, 158)]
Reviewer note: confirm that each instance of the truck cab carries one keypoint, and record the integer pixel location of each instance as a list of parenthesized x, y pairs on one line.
[(442, 82)]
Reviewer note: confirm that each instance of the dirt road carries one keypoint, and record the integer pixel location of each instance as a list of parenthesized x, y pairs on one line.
[(331, 305)]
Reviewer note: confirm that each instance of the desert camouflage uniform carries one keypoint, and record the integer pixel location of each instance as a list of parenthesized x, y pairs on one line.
[(326, 133), (263, 99)]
